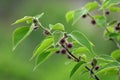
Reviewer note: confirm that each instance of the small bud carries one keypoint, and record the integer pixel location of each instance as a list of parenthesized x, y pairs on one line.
[(57, 52), (35, 21), (93, 22), (69, 45), (107, 12), (84, 16), (94, 62), (46, 32), (97, 67), (62, 41), (63, 50)]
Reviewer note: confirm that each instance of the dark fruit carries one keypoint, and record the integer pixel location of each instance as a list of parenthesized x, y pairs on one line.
[(117, 28), (107, 12), (93, 22), (63, 50), (69, 45), (84, 16), (97, 67), (62, 41), (94, 62)]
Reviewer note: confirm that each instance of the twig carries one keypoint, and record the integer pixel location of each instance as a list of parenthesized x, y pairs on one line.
[(69, 53)]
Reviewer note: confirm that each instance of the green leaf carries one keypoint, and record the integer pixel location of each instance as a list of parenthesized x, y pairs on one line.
[(76, 67), (114, 9), (112, 23), (58, 26), (109, 71), (80, 50), (26, 18), (45, 44), (91, 6), (20, 34), (113, 34), (109, 65), (69, 16), (44, 56), (87, 8), (78, 14), (57, 36), (100, 20), (110, 3), (39, 16), (82, 40), (116, 55)]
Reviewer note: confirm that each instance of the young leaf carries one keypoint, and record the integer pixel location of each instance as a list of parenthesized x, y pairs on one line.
[(57, 36), (69, 16), (57, 26), (110, 3), (20, 34), (80, 50), (116, 55), (46, 43), (91, 6), (112, 23), (100, 20), (114, 9), (87, 8), (76, 67), (26, 18), (109, 65), (39, 16), (109, 71), (44, 56), (78, 14), (82, 40)]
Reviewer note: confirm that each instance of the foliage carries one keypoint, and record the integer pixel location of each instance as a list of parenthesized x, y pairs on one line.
[(56, 40)]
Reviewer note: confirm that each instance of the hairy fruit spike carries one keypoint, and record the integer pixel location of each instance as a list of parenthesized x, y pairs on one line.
[(63, 50)]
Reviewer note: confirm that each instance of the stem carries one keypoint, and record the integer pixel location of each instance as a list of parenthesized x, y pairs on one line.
[(41, 25), (92, 73), (118, 73), (115, 42), (69, 53)]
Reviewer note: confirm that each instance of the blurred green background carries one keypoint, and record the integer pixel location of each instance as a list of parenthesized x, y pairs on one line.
[(16, 65)]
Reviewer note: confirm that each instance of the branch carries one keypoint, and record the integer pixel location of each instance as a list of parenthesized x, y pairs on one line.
[(69, 53)]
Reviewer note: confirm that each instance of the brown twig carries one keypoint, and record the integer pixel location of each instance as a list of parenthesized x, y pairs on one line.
[(69, 53)]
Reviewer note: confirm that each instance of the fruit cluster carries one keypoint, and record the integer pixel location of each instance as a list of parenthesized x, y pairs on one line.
[(65, 48), (93, 68)]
